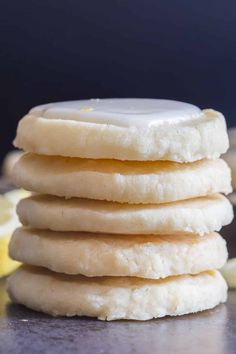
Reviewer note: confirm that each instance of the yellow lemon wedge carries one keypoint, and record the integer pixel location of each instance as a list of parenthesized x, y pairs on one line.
[(229, 272), (8, 222)]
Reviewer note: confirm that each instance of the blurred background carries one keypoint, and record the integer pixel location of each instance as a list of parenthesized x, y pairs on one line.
[(63, 50)]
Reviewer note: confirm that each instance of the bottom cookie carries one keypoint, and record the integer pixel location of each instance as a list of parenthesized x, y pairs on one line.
[(113, 298)]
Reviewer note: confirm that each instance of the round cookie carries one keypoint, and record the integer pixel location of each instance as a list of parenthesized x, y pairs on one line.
[(115, 298), (124, 182), (124, 129), (105, 255), (199, 215)]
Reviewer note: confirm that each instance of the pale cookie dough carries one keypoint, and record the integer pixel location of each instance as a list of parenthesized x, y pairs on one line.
[(198, 215), (125, 182), (124, 129), (115, 298), (108, 255)]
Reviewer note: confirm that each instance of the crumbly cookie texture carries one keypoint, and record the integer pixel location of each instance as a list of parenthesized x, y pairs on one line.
[(127, 196), (181, 141), (125, 182), (199, 215), (113, 298), (145, 256)]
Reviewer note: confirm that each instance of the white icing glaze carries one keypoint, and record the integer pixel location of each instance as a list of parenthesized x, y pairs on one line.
[(120, 111)]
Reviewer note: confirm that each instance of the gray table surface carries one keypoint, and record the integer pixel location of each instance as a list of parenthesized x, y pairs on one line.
[(24, 331), (210, 332)]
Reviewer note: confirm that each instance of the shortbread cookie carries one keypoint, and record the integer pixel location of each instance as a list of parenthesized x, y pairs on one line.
[(124, 129), (198, 215), (112, 298), (108, 255), (130, 182)]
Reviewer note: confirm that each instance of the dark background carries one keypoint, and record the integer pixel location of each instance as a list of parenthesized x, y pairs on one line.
[(72, 49)]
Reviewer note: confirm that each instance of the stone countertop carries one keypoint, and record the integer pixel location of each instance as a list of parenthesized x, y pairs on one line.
[(23, 331)]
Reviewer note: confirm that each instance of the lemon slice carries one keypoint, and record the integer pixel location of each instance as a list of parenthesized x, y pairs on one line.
[(8, 222), (229, 272), (16, 195)]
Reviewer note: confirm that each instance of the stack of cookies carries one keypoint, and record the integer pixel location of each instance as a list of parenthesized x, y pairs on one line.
[(126, 204)]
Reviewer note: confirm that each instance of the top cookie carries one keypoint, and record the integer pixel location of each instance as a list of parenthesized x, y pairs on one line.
[(124, 129)]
